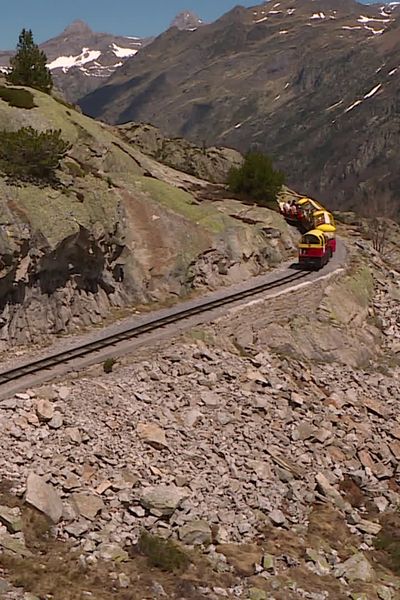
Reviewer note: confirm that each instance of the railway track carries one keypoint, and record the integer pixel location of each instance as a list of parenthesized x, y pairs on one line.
[(173, 315)]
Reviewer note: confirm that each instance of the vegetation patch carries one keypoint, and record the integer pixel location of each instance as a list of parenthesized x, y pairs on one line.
[(362, 285), (181, 202), (162, 554), (256, 179), (17, 97), (74, 169), (64, 103), (109, 364), (31, 155)]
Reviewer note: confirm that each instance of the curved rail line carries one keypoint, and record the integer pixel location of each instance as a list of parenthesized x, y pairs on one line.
[(130, 332)]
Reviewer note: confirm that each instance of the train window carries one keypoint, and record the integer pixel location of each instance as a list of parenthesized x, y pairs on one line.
[(311, 239)]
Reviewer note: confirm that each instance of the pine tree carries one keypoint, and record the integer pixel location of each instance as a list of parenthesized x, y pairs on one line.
[(28, 66), (256, 178)]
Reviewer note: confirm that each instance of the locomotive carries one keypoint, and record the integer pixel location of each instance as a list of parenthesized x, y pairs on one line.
[(318, 242)]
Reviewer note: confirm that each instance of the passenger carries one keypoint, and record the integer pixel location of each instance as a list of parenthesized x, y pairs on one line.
[(293, 208)]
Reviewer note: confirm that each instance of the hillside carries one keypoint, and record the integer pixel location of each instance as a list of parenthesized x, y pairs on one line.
[(316, 84), (118, 229)]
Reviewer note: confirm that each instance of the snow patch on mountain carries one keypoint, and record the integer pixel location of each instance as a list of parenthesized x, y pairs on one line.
[(123, 52), (66, 62)]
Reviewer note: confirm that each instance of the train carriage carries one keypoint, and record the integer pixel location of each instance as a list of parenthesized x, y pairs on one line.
[(318, 244), (299, 211), (315, 249)]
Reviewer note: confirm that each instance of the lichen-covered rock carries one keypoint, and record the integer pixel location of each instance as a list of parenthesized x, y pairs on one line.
[(356, 568), (163, 499), (212, 164)]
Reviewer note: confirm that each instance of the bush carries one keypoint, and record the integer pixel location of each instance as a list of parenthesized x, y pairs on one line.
[(17, 97), (162, 554), (31, 155), (256, 179), (108, 365)]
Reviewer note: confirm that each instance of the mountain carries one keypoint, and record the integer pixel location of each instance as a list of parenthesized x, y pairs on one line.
[(81, 59), (313, 83), (187, 20)]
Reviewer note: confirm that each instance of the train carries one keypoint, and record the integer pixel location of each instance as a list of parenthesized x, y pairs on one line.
[(318, 228)]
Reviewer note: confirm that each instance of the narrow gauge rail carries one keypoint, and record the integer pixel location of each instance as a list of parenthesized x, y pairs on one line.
[(175, 315)]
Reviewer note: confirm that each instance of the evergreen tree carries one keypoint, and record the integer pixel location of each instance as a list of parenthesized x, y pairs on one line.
[(28, 66), (256, 178)]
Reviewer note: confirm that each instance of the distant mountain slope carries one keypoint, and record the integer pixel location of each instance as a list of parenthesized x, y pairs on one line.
[(315, 83)]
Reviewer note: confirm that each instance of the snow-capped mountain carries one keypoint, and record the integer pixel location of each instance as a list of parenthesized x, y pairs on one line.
[(81, 59)]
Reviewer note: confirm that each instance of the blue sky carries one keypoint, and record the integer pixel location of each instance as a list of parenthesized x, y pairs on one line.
[(48, 18)]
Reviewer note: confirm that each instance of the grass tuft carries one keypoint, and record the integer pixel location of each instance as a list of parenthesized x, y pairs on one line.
[(162, 554), (108, 364)]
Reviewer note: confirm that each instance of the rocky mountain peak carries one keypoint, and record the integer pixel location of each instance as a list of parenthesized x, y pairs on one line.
[(186, 20), (77, 27)]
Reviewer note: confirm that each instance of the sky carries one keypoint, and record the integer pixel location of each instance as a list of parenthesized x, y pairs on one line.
[(47, 18)]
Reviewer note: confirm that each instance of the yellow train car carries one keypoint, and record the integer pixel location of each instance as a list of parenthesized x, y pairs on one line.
[(323, 221), (315, 249), (305, 207)]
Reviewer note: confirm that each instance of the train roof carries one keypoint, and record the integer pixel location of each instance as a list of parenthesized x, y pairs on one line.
[(322, 211), (315, 232), (310, 201)]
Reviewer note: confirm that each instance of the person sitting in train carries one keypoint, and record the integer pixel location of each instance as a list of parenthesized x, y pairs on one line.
[(293, 208)]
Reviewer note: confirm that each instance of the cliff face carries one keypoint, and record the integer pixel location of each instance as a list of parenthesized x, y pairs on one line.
[(314, 83), (119, 229)]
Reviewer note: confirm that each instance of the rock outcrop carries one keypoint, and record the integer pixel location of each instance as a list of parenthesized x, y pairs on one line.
[(212, 164)]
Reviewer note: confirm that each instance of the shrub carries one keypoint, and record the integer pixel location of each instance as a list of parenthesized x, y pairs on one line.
[(28, 66), (108, 365), (17, 97), (31, 155), (256, 178), (162, 554)]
